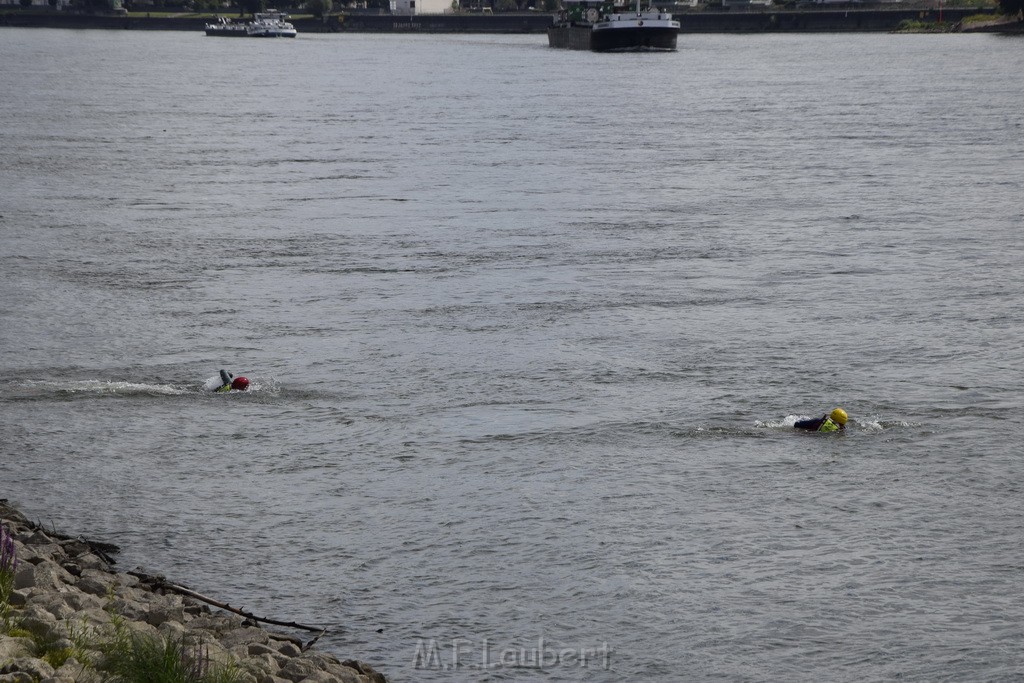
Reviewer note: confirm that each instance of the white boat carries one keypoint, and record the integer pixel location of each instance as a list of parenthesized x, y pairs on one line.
[(225, 27), (269, 24), (602, 27)]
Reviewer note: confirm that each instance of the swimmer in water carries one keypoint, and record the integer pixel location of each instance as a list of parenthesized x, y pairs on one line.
[(833, 422), (231, 383)]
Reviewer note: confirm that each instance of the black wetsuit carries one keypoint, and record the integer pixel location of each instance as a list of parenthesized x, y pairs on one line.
[(814, 424)]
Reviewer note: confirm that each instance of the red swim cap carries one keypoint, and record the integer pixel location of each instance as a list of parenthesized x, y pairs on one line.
[(240, 384)]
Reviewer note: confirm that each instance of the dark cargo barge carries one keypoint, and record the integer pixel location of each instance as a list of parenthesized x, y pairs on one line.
[(601, 26)]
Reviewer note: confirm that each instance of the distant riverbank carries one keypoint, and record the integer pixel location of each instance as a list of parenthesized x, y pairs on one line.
[(765, 20)]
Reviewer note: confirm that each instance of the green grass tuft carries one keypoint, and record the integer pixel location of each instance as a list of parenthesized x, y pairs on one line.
[(133, 657), (57, 657)]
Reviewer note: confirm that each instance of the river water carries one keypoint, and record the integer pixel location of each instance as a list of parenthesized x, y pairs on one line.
[(527, 332)]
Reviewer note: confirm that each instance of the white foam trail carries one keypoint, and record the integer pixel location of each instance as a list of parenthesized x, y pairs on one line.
[(95, 386), (787, 421)]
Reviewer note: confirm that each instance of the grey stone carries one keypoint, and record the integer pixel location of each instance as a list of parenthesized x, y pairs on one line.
[(19, 677), (259, 665), (13, 648), (62, 643), (255, 649), (298, 669), (25, 576), (72, 568), (90, 561), (331, 665), (74, 547), (38, 538), (128, 580), (51, 602), (289, 649), (366, 670), (171, 629), (324, 677), (40, 628), (165, 608), (259, 648), (142, 629), (129, 609), (95, 616), (97, 581), (322, 660), (70, 669), (82, 601), (280, 659), (220, 656), (92, 586), (244, 636), (210, 648), (61, 610), (214, 623), (36, 668), (47, 575), (47, 552), (120, 590), (37, 616), (194, 609), (18, 598)]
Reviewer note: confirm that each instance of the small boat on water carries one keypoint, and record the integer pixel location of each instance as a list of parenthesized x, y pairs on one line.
[(605, 27), (269, 24), (225, 27)]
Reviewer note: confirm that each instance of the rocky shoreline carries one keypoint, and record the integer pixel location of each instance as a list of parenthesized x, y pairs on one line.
[(66, 616)]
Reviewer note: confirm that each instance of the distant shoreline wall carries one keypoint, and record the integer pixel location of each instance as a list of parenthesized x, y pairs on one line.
[(761, 21)]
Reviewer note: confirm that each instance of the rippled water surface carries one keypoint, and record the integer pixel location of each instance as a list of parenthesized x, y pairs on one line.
[(527, 330)]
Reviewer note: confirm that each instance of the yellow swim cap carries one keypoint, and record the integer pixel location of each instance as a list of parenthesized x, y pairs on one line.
[(839, 416)]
